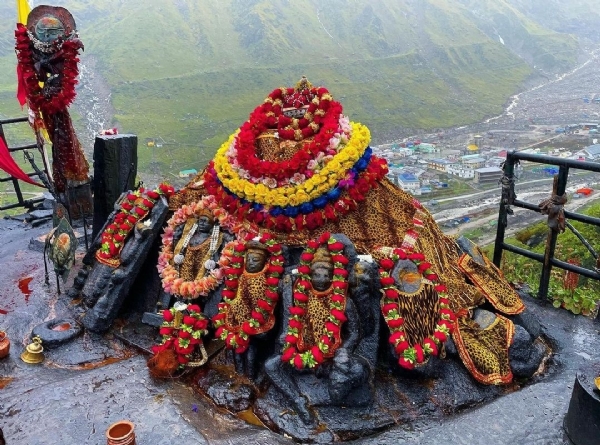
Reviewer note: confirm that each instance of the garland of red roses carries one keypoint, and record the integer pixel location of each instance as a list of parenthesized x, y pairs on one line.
[(411, 355), (238, 337), (326, 345), (183, 338), (321, 120), (67, 51), (134, 207), (242, 210)]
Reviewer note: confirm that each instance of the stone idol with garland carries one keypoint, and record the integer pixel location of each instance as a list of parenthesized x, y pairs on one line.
[(328, 286)]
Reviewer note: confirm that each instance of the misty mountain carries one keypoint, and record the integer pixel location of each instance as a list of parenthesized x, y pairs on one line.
[(190, 71)]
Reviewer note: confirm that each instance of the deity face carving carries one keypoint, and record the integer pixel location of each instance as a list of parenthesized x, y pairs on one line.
[(321, 277), (205, 225), (255, 260), (48, 29)]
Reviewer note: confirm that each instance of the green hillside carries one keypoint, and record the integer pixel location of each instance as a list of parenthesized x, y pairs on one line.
[(190, 71)]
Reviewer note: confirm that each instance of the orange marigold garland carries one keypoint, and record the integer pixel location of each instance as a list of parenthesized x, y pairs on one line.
[(411, 355), (238, 337), (182, 330), (171, 281), (133, 208), (332, 339)]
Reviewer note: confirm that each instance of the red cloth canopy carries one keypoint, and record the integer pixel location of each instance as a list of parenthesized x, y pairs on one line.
[(8, 164)]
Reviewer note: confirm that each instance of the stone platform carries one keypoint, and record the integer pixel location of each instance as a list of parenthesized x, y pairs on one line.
[(80, 390)]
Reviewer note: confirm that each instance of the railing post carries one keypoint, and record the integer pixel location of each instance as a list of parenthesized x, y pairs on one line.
[(18, 191), (508, 196), (558, 189)]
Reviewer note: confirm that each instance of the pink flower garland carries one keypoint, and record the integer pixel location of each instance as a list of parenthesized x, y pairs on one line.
[(171, 281)]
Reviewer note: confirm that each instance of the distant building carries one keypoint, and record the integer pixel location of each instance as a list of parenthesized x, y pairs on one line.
[(476, 162), (439, 164), (409, 183), (461, 171), (452, 152), (487, 175), (401, 152), (496, 161), (188, 173), (592, 152), (424, 147), (471, 156)]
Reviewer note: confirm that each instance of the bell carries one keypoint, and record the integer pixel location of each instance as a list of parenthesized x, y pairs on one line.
[(34, 352)]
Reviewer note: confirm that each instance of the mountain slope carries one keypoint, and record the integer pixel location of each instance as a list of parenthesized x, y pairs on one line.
[(190, 71)]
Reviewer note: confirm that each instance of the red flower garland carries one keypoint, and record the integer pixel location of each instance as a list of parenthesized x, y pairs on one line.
[(347, 202), (238, 337), (323, 111), (134, 207), (67, 52), (411, 355), (182, 336), (328, 343)]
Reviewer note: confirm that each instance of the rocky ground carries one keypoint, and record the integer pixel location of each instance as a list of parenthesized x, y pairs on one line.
[(83, 387)]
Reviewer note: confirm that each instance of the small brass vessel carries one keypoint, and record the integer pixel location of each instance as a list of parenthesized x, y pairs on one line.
[(597, 382), (34, 352)]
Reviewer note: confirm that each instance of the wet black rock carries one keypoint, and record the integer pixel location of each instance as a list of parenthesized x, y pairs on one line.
[(529, 321), (483, 318), (229, 393), (458, 389), (351, 423), (524, 354), (273, 410), (106, 288), (56, 332)]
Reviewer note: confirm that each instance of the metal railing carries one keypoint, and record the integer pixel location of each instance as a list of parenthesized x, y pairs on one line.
[(21, 202), (509, 199)]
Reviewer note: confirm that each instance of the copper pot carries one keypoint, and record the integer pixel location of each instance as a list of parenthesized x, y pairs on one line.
[(4, 344), (121, 433)]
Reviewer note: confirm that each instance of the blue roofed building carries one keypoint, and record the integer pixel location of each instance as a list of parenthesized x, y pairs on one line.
[(592, 152), (409, 183)]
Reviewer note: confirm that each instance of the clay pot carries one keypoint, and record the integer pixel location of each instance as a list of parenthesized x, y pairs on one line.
[(4, 344), (121, 433)]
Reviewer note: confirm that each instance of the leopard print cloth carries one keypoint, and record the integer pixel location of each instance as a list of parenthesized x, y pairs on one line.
[(420, 313), (251, 287), (313, 323), (272, 149), (383, 219), (483, 351), (491, 282)]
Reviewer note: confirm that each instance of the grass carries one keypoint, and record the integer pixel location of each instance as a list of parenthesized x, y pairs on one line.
[(585, 297)]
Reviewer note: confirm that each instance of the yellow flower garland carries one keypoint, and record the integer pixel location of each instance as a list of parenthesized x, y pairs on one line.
[(320, 183)]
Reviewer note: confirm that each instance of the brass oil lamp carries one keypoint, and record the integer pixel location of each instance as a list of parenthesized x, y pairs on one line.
[(34, 352)]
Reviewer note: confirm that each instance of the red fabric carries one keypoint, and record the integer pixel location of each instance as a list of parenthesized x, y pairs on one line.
[(21, 93), (8, 164)]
